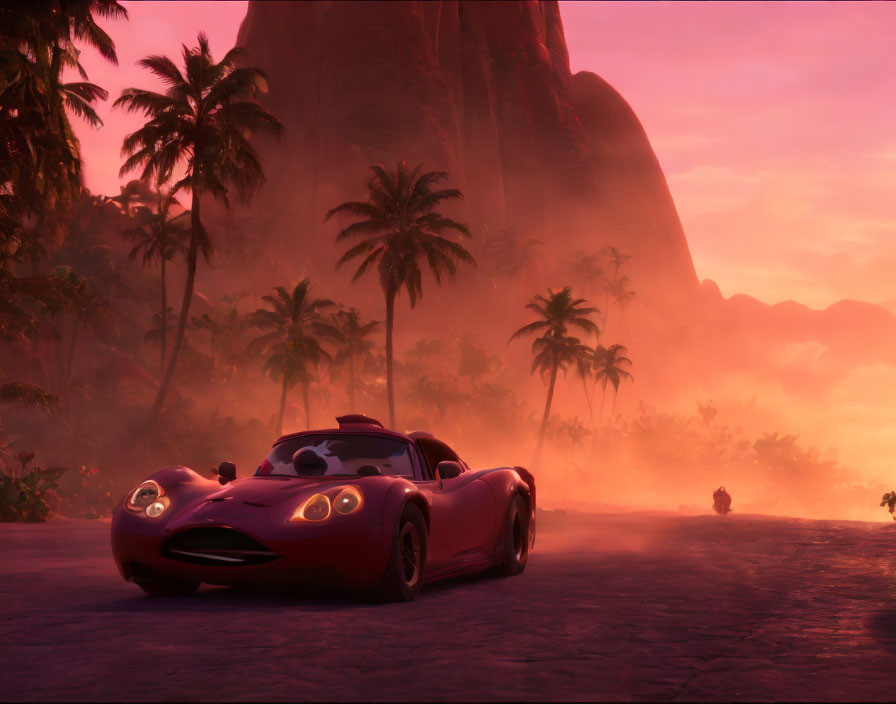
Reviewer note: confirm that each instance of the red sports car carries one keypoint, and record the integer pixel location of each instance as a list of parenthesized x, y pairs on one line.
[(357, 506)]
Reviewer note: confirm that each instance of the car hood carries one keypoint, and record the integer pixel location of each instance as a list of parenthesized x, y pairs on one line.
[(262, 503), (270, 491)]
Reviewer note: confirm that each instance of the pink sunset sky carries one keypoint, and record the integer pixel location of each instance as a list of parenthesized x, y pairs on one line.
[(775, 124)]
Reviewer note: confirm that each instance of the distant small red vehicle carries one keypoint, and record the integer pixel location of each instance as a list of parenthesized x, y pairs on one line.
[(357, 506)]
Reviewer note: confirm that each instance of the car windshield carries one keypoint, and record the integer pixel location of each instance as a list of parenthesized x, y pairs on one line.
[(338, 454)]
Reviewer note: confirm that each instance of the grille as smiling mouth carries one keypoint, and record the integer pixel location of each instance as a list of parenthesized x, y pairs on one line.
[(217, 546)]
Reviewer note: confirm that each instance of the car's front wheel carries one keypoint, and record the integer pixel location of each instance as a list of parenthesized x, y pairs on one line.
[(403, 578), (166, 587)]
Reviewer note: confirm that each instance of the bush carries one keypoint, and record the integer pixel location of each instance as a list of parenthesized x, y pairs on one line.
[(36, 494), (29, 496), (85, 493)]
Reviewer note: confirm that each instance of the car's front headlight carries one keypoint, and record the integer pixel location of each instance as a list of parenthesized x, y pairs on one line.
[(319, 507), (157, 507), (148, 498), (145, 494), (348, 501)]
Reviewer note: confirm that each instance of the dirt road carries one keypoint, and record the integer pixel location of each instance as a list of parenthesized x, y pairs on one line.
[(633, 606)]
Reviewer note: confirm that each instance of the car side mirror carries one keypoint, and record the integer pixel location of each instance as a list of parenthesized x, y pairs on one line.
[(448, 469), (226, 472)]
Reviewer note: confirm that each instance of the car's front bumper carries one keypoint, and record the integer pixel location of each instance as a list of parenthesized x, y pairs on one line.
[(347, 553)]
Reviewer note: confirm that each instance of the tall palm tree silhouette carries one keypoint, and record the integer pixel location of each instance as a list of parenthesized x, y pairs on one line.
[(616, 260), (160, 234), (349, 334), (622, 296), (292, 346), (554, 349), (609, 365), (203, 121), (399, 227)]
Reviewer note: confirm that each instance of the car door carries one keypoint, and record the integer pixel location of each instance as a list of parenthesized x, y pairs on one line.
[(462, 514)]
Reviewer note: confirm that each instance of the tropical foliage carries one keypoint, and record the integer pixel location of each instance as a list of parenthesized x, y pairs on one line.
[(161, 231), (508, 254), (29, 496), (554, 349), (353, 348), (609, 366), (40, 161), (201, 122), (90, 342), (292, 344)]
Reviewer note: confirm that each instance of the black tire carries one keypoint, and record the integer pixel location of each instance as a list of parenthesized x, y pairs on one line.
[(166, 587), (403, 578), (513, 550)]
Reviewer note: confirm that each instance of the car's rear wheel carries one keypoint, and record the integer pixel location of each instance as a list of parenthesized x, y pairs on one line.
[(166, 587), (403, 578), (513, 551)]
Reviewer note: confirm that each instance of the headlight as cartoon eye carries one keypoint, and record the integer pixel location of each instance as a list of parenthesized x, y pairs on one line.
[(319, 507), (157, 507), (347, 501), (316, 508), (144, 495)]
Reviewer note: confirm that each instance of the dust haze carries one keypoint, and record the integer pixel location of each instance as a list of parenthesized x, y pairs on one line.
[(785, 406), (785, 429)]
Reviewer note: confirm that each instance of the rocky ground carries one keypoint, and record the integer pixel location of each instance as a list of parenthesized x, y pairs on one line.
[(624, 606)]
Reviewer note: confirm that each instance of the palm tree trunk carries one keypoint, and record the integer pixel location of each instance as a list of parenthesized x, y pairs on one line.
[(55, 127), (547, 412), (351, 380), (600, 415), (588, 399), (282, 406), (390, 320), (306, 398), (192, 256), (613, 407), (164, 320)]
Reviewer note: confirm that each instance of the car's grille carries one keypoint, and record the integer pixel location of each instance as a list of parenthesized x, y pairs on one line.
[(217, 546)]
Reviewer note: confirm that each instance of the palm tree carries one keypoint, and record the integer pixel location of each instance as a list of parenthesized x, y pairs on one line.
[(622, 297), (584, 363), (132, 194), (616, 260), (588, 268), (554, 349), (40, 160), (508, 254), (610, 365), (398, 227), (349, 335), (225, 325), (156, 333), (202, 121), (90, 306), (158, 235), (292, 344)]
